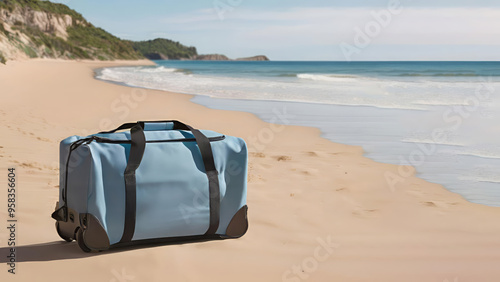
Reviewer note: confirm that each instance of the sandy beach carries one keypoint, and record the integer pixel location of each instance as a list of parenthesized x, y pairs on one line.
[(318, 211)]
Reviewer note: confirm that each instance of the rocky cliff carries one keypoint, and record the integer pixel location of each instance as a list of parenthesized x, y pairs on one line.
[(32, 28), (45, 22)]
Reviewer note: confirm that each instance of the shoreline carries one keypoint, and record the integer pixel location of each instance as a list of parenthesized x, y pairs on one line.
[(302, 189), (323, 117)]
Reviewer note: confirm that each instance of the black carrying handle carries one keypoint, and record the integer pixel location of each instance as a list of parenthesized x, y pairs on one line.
[(138, 146), (177, 125), (202, 141)]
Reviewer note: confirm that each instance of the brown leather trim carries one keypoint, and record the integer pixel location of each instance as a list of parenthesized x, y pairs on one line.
[(238, 225), (94, 234)]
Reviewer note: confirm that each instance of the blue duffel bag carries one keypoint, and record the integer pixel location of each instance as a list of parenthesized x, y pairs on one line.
[(149, 182)]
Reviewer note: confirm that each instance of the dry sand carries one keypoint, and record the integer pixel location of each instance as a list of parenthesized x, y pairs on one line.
[(302, 190)]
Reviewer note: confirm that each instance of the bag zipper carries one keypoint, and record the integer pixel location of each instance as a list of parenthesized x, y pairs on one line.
[(107, 140)]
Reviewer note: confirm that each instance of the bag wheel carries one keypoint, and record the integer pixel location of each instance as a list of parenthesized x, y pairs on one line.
[(61, 235), (81, 243)]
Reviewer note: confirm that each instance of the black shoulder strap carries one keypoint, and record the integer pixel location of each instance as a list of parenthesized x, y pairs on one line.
[(138, 145)]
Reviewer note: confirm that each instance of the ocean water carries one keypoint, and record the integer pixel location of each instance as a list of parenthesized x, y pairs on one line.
[(440, 117)]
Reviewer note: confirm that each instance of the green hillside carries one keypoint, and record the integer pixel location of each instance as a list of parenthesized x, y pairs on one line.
[(164, 49)]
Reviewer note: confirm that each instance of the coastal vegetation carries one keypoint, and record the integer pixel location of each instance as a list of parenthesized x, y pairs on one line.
[(164, 49), (43, 6)]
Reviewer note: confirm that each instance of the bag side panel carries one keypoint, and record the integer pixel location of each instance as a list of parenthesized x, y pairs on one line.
[(78, 179), (231, 159), (63, 158), (106, 198)]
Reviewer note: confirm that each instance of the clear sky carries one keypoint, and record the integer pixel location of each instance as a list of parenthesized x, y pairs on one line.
[(310, 30)]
